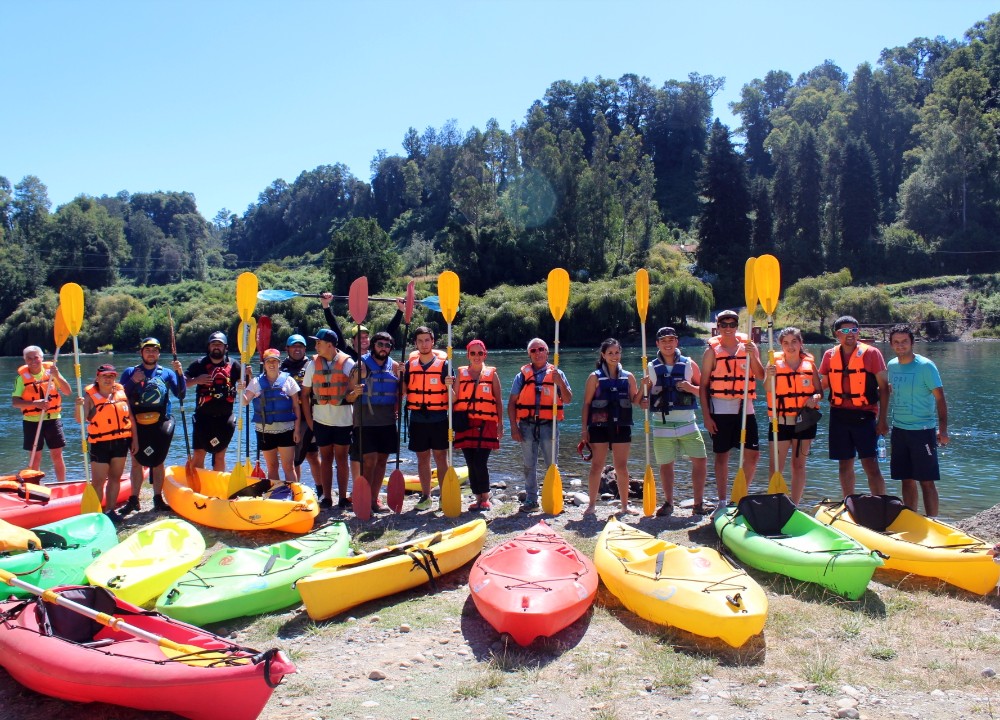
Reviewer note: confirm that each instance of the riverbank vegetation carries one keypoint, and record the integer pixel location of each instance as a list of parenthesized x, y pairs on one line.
[(891, 171)]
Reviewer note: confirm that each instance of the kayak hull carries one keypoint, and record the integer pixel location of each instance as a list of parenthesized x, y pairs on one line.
[(124, 670), (533, 585), (804, 549), (143, 565), (332, 590), (63, 502), (212, 507), (68, 547), (692, 589), (235, 582), (921, 546)]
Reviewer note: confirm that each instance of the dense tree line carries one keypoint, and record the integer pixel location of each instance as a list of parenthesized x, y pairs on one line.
[(890, 171)]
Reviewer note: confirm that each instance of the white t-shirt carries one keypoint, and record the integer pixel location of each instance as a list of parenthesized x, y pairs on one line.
[(290, 388), (332, 415)]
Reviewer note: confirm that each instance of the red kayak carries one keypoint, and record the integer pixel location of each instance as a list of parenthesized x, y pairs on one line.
[(533, 585), (63, 502), (75, 658)]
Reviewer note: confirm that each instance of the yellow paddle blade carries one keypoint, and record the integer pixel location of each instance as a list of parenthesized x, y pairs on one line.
[(767, 277), (237, 479), (777, 484), (71, 301), (648, 492), (246, 339), (246, 295), (552, 491), (558, 287), (60, 331), (90, 503), (739, 487), (448, 295), (451, 495), (642, 293), (750, 286)]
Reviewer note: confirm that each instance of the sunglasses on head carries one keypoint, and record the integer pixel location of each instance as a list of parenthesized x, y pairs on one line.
[(728, 323), (849, 331)]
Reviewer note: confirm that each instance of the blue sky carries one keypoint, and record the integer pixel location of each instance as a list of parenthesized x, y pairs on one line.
[(220, 98)]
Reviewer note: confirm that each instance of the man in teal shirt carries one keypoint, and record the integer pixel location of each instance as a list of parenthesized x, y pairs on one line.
[(919, 421)]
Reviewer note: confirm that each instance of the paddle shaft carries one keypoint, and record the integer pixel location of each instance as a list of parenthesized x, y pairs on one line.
[(180, 380), (746, 392), (41, 419), (399, 387)]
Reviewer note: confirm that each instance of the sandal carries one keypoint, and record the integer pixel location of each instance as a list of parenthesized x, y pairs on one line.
[(665, 510)]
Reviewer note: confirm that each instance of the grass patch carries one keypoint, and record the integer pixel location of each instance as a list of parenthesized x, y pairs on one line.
[(491, 679), (823, 670), (881, 652)]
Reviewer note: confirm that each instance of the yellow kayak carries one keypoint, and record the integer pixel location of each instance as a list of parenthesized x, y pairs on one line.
[(341, 583), (914, 543), (693, 589), (413, 481), (293, 511), (146, 563)]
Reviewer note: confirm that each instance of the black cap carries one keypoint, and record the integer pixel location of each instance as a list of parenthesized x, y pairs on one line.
[(665, 332)]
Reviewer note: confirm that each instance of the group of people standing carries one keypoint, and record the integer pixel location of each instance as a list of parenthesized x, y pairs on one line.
[(341, 410)]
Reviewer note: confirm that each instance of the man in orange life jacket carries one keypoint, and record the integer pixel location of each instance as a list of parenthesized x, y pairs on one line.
[(723, 375), (29, 397), (856, 376), (427, 402), (215, 378)]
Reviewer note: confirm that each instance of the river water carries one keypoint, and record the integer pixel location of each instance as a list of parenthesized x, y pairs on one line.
[(970, 465)]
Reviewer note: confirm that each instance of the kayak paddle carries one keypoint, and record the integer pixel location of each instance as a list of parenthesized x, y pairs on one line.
[(767, 275), (61, 333), (263, 343), (431, 302), (361, 491), (642, 305), (191, 474), (246, 301), (740, 488), (71, 301), (396, 491), (451, 495), (552, 491)]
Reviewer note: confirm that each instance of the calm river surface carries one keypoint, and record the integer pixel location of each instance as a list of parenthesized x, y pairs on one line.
[(970, 464)]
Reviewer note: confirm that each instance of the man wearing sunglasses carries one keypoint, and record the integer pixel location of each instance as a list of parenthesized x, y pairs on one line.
[(855, 375)]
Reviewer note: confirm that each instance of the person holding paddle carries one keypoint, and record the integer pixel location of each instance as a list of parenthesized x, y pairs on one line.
[(276, 415), (529, 410), (34, 379), (608, 396), (148, 386), (110, 435), (362, 337), (306, 449), (216, 378)]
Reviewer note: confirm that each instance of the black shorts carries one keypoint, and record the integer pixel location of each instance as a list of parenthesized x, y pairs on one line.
[(212, 434), (273, 441), (787, 433), (428, 436), (154, 442), (852, 432), (105, 452), (914, 455), (52, 434), (381, 439), (727, 436), (609, 434), (307, 444), (332, 434)]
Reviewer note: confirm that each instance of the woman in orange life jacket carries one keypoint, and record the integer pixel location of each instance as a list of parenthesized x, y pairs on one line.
[(607, 421), (110, 435), (797, 385), (479, 396)]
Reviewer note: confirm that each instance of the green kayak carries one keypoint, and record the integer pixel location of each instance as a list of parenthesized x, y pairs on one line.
[(767, 532), (242, 581), (68, 547)]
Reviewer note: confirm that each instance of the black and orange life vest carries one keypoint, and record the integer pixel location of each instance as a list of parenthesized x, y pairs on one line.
[(535, 399), (329, 382), (793, 387), (112, 420), (730, 372), (476, 396), (35, 390), (853, 386), (425, 388)]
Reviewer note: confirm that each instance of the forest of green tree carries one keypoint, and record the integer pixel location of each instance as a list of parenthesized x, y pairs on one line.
[(891, 171)]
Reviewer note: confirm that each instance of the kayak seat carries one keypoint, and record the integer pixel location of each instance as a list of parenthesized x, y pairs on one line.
[(875, 512), (59, 621), (766, 514)]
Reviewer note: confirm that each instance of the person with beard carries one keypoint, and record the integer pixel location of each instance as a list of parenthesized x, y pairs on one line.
[(374, 385), (328, 415), (306, 450), (148, 386), (361, 340), (215, 376)]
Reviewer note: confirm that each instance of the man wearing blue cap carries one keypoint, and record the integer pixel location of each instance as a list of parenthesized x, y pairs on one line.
[(216, 378), (306, 449)]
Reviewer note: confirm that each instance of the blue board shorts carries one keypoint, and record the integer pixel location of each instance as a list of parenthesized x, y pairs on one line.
[(914, 455)]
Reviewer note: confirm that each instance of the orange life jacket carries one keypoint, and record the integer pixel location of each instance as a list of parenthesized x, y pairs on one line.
[(329, 386), (111, 420), (729, 374), (425, 389), (35, 390), (793, 387), (475, 396), (535, 399), (861, 387)]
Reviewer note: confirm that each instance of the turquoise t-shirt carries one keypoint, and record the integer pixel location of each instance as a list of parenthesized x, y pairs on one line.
[(912, 401)]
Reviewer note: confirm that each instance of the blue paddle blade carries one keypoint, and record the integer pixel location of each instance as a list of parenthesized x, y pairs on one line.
[(431, 303), (276, 295)]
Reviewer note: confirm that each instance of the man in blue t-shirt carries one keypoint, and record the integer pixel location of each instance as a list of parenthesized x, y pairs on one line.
[(919, 421)]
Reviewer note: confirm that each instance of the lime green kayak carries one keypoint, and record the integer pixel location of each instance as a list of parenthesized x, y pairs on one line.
[(250, 581), (68, 547), (767, 532)]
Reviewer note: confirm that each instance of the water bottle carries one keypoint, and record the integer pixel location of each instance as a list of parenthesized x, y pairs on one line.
[(880, 448)]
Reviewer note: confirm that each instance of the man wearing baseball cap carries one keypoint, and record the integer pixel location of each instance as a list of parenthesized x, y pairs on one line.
[(216, 378), (148, 386), (306, 449)]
